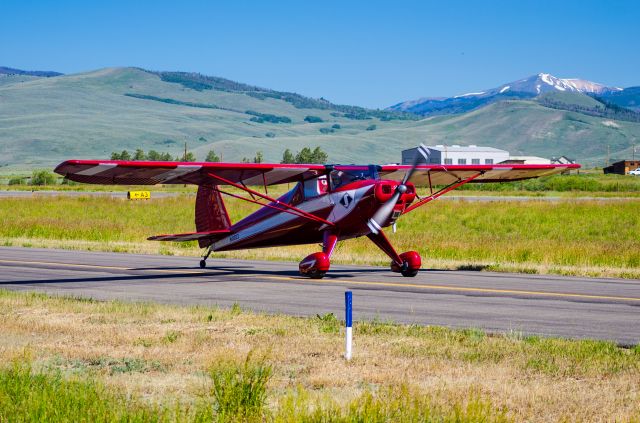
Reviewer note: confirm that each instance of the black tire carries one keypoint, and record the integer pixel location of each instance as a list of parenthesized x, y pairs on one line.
[(203, 264), (317, 275), (406, 272)]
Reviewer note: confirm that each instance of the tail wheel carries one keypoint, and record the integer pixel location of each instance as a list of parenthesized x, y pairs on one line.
[(203, 264)]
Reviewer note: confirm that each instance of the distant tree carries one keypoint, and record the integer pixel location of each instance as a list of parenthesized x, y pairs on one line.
[(313, 119), (153, 155), (212, 157), (304, 156), (371, 128), (189, 157), (259, 158), (165, 157), (245, 160), (319, 156), (288, 157), (336, 126), (139, 155), (43, 177), (115, 155), (125, 155)]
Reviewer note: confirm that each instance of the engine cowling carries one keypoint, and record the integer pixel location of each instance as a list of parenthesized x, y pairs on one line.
[(315, 265)]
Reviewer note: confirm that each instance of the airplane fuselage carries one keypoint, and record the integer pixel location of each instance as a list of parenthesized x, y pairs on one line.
[(347, 207)]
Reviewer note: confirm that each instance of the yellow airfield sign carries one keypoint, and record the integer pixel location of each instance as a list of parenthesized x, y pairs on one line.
[(139, 195)]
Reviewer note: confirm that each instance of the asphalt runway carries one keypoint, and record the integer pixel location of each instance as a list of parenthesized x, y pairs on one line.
[(496, 302)]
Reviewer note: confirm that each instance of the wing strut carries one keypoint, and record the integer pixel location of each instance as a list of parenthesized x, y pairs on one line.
[(442, 191), (287, 208)]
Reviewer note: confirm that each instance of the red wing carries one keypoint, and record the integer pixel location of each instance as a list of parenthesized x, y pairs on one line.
[(113, 172), (448, 174), (192, 236)]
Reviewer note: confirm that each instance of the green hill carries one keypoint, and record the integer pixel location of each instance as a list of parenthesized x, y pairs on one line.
[(46, 120)]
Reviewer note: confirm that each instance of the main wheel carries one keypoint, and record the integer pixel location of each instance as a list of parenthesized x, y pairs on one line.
[(409, 273), (203, 264), (316, 274)]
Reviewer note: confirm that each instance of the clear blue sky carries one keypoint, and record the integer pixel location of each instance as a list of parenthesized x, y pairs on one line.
[(369, 53)]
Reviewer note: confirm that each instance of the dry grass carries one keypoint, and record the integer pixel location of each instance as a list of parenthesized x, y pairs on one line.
[(161, 352)]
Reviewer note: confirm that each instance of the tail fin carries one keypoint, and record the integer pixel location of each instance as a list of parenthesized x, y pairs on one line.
[(211, 214)]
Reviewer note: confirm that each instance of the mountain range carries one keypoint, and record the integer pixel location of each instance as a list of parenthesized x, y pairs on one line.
[(46, 117), (536, 86)]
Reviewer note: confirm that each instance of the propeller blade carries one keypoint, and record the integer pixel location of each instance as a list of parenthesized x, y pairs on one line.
[(422, 152), (383, 213)]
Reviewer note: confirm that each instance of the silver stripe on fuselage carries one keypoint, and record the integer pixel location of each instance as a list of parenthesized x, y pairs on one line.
[(332, 199)]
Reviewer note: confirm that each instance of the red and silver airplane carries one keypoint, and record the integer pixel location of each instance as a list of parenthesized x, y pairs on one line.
[(328, 203)]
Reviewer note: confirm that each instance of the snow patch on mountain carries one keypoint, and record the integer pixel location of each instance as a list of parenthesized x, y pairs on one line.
[(469, 94)]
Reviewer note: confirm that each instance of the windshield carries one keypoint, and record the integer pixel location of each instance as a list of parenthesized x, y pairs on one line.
[(340, 177)]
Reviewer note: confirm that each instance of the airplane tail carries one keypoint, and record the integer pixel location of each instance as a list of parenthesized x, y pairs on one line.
[(211, 214)]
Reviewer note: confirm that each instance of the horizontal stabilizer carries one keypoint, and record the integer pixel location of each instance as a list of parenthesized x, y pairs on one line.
[(192, 236)]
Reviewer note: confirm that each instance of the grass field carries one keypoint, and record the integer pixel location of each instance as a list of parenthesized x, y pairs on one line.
[(66, 359), (593, 238)]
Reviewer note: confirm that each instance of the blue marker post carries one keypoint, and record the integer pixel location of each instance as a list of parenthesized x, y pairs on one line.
[(348, 324)]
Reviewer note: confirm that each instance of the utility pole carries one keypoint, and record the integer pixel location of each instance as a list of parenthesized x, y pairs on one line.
[(608, 152), (184, 159)]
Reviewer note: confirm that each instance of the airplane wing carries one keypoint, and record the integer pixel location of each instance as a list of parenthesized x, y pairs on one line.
[(426, 175), (115, 172)]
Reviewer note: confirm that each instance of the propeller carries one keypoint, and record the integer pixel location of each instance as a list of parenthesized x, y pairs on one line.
[(384, 212)]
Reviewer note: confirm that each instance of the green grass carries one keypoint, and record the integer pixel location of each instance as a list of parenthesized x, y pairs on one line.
[(596, 238), (29, 396), (585, 183)]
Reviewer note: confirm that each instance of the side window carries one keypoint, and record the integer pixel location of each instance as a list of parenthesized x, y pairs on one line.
[(488, 161), (448, 161), (316, 186), (462, 161), (475, 161)]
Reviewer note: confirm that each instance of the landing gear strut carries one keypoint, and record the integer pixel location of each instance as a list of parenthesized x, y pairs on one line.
[(316, 265), (407, 264), (203, 262)]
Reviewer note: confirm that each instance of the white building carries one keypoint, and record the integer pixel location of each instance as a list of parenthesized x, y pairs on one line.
[(456, 154), (534, 160)]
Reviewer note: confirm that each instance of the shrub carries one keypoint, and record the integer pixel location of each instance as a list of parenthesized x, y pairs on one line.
[(43, 177), (313, 119), (240, 390), (17, 181)]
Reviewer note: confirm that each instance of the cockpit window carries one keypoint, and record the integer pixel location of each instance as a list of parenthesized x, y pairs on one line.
[(340, 177)]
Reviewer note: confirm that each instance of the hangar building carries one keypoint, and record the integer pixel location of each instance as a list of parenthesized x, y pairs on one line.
[(456, 154)]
